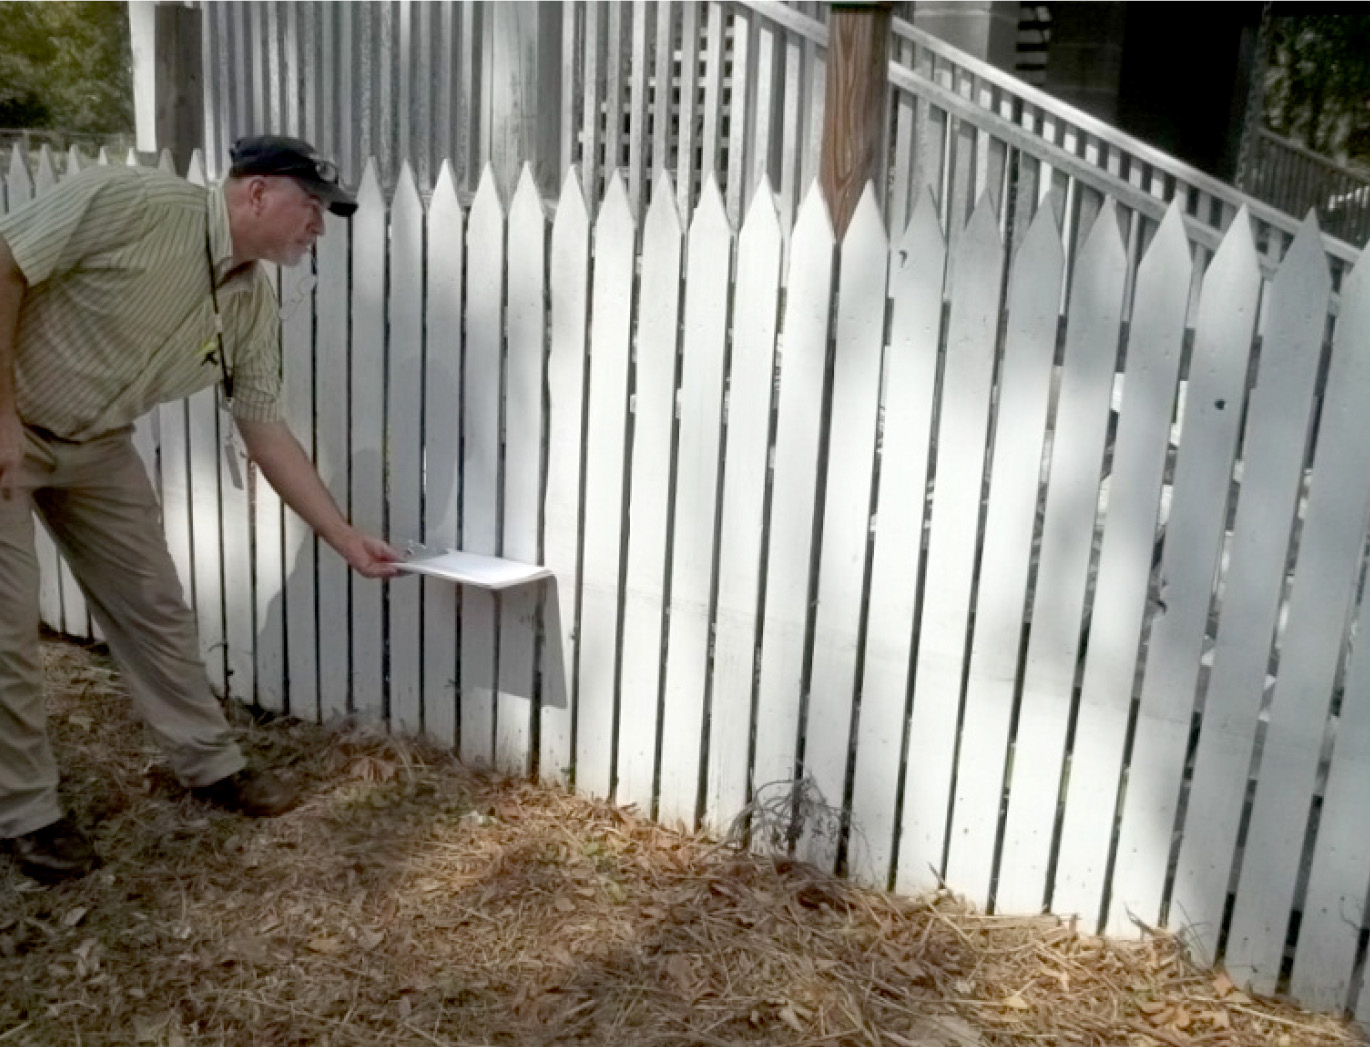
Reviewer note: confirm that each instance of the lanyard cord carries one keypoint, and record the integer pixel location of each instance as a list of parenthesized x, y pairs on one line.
[(224, 370)]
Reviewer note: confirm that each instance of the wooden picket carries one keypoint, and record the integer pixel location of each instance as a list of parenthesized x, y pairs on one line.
[(480, 464), (442, 426), (1124, 571), (366, 433), (846, 514), (695, 520), (963, 425), (331, 450), (292, 608), (1189, 562), (740, 599), (751, 379), (234, 547), (1319, 605), (522, 474), (1325, 960), (916, 271), (203, 455), (1273, 453), (605, 437), (404, 447), (654, 399), (1077, 453), (567, 374), (1015, 474), (794, 477)]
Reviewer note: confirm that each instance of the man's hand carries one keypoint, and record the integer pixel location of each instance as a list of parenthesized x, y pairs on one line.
[(368, 555), (11, 451), (281, 458)]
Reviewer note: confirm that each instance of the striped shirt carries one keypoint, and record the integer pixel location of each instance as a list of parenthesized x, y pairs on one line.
[(118, 317)]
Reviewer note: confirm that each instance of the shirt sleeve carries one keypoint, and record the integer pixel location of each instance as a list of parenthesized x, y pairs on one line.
[(89, 214), (257, 357)]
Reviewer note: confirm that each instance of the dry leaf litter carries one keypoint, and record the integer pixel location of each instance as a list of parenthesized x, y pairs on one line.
[(410, 901)]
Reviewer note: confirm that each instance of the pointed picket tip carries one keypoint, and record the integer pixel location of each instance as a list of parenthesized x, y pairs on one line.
[(1306, 257), (617, 209), (1169, 250), (1104, 244), (711, 215), (526, 195), (447, 180), (487, 191), (406, 202), (663, 219), (195, 171), (920, 246), (165, 162), (663, 183), (923, 220), (445, 203), (813, 223), (984, 221), (571, 184), (763, 217), (19, 165), (1238, 242), (46, 177), (369, 194), (1043, 241), (76, 160), (526, 207), (571, 211), (102, 157), (764, 188), (132, 159), (867, 225)]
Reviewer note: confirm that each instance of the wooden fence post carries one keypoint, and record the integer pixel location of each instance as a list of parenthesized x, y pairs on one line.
[(522, 93), (179, 88), (854, 113)]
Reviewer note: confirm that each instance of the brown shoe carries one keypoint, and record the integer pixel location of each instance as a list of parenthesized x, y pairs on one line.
[(257, 794), (56, 852)]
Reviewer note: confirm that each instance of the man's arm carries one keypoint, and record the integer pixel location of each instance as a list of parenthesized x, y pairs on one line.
[(283, 461), (12, 288)]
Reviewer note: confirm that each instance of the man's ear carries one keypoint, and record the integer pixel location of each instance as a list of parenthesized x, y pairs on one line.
[(256, 193)]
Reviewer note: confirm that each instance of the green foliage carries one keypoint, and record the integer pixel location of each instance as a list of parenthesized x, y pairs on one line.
[(1317, 85), (66, 66)]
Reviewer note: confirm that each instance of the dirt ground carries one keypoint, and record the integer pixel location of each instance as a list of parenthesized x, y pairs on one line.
[(408, 901)]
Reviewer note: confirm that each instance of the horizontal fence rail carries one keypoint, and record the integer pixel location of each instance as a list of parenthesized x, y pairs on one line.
[(732, 89), (940, 564), (1296, 179), (965, 128)]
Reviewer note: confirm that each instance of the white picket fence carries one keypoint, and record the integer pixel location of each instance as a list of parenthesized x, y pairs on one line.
[(901, 547)]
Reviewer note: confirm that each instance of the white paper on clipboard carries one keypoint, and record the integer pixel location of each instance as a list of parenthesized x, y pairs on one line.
[(485, 572)]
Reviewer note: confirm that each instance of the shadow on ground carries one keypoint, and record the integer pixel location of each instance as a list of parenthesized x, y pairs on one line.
[(408, 901)]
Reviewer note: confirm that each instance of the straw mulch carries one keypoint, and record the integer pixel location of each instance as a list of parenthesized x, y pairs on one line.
[(411, 902)]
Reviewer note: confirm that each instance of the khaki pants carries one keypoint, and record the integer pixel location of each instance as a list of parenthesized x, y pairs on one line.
[(101, 511)]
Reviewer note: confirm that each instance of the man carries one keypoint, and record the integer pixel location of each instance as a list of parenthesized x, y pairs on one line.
[(121, 289)]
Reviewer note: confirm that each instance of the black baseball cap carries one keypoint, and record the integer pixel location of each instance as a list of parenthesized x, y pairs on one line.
[(292, 158)]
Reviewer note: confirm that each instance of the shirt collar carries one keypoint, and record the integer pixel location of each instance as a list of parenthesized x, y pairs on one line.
[(220, 238), (221, 243)]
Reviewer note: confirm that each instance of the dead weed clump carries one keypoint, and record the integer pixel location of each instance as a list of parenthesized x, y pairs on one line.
[(409, 901)]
